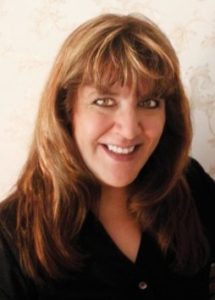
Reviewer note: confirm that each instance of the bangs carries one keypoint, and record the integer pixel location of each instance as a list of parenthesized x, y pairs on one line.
[(127, 61)]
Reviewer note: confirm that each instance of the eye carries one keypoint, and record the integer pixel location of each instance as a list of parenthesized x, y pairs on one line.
[(149, 103), (104, 102)]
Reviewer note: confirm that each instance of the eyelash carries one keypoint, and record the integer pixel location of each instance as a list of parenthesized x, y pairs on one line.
[(108, 102), (149, 103), (105, 102)]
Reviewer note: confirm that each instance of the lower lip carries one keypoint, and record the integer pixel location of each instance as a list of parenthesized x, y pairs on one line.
[(120, 157)]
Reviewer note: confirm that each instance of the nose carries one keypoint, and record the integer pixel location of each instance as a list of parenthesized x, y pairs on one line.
[(128, 124)]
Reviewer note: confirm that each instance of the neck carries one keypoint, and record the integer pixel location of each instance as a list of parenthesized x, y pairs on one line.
[(121, 226), (113, 203)]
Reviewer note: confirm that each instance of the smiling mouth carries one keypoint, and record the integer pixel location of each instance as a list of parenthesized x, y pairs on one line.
[(120, 150)]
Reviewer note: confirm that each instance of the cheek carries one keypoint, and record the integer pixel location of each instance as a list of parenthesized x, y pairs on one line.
[(154, 127), (89, 127)]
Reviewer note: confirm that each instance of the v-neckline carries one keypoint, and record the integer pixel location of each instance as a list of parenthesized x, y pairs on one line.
[(102, 230)]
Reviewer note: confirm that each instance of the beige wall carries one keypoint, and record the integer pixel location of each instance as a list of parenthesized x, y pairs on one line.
[(32, 31)]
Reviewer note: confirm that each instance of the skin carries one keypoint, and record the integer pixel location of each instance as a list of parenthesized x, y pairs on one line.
[(117, 116)]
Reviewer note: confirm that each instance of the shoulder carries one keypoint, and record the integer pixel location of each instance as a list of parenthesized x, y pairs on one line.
[(196, 175), (202, 187), (8, 227), (13, 282)]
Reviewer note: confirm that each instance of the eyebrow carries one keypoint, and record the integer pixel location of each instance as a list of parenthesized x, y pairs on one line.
[(104, 90), (108, 90)]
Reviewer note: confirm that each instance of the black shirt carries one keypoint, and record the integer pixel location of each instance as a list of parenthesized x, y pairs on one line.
[(108, 273)]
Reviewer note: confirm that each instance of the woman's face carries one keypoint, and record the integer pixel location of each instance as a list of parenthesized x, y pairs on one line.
[(116, 131)]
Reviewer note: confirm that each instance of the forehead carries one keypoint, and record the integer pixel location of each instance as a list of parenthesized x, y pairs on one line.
[(141, 89)]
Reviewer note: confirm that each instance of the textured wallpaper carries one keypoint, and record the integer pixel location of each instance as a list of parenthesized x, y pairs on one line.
[(31, 33)]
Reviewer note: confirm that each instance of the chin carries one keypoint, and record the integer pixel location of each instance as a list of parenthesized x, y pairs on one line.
[(118, 183)]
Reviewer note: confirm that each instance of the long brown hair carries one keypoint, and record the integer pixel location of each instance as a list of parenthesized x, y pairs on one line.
[(54, 191)]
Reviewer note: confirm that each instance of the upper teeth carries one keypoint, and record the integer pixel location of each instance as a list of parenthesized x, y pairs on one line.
[(124, 150)]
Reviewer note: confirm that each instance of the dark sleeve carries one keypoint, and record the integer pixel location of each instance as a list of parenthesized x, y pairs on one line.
[(13, 284), (203, 191)]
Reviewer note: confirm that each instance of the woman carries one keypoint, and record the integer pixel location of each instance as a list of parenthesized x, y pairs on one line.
[(109, 205)]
